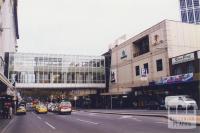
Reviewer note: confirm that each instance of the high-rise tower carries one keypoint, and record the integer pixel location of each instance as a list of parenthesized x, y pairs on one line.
[(190, 11)]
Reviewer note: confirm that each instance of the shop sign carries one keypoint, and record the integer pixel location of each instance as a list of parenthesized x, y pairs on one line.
[(176, 79), (198, 54), (183, 58), (143, 74), (123, 54)]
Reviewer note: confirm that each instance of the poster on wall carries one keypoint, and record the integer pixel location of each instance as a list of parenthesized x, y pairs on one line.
[(144, 74), (176, 79), (113, 75)]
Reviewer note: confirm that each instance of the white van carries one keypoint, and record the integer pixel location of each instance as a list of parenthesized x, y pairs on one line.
[(180, 102)]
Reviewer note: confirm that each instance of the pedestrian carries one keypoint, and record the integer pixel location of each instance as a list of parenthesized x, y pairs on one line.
[(10, 112), (1, 109)]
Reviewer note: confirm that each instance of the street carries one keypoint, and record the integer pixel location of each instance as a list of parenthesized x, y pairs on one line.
[(85, 122)]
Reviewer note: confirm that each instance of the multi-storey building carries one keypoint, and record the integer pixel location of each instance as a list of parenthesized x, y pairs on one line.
[(8, 39), (140, 62), (190, 11)]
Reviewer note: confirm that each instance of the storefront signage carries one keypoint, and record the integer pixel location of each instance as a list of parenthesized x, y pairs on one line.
[(176, 79), (183, 58), (123, 54), (198, 54)]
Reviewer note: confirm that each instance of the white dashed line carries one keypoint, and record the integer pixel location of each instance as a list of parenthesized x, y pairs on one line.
[(92, 114), (90, 122), (125, 117), (161, 122), (129, 117), (50, 125), (136, 119), (39, 117)]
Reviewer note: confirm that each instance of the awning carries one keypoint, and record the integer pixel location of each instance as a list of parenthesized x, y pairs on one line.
[(113, 93), (6, 82)]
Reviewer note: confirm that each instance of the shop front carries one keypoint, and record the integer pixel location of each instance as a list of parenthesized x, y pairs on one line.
[(155, 93)]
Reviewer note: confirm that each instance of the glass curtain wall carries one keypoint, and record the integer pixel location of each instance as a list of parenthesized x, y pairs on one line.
[(45, 68)]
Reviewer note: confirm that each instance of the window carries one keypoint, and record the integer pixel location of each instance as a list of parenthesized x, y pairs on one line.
[(182, 4), (137, 70), (197, 15), (190, 68), (196, 3), (189, 3), (190, 16), (141, 46), (184, 16), (177, 70), (146, 67), (159, 65)]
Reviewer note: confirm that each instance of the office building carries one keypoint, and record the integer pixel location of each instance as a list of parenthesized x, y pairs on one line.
[(190, 11)]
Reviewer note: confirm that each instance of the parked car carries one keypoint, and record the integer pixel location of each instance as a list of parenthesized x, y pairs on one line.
[(180, 102), (65, 107)]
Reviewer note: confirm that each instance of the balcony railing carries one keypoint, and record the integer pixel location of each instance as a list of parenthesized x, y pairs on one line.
[(140, 53)]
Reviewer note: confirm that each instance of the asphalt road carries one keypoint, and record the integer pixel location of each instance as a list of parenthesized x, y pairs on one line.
[(84, 122)]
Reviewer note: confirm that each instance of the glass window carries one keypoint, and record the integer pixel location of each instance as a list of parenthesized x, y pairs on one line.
[(137, 70), (196, 3), (159, 65), (189, 3), (98, 63), (197, 15), (182, 4), (184, 16), (146, 67), (190, 68), (190, 16), (177, 70)]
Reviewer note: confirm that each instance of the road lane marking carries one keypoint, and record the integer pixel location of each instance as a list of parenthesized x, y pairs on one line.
[(136, 119), (129, 117), (92, 114), (125, 117), (39, 117), (8, 125), (90, 122), (50, 125), (161, 122)]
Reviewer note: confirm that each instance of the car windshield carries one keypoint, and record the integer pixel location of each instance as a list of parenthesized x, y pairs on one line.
[(189, 99), (65, 103)]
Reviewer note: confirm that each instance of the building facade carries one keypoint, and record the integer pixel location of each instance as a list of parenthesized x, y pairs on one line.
[(140, 62), (190, 11), (8, 39)]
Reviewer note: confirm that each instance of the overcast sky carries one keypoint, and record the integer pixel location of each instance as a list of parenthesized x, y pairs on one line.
[(86, 26)]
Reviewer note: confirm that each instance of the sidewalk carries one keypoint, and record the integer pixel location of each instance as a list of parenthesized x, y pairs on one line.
[(148, 113), (4, 123)]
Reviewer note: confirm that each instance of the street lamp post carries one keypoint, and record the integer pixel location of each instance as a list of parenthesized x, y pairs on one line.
[(110, 101)]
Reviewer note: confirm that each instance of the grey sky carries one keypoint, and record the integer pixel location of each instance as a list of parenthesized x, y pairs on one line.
[(86, 26)]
